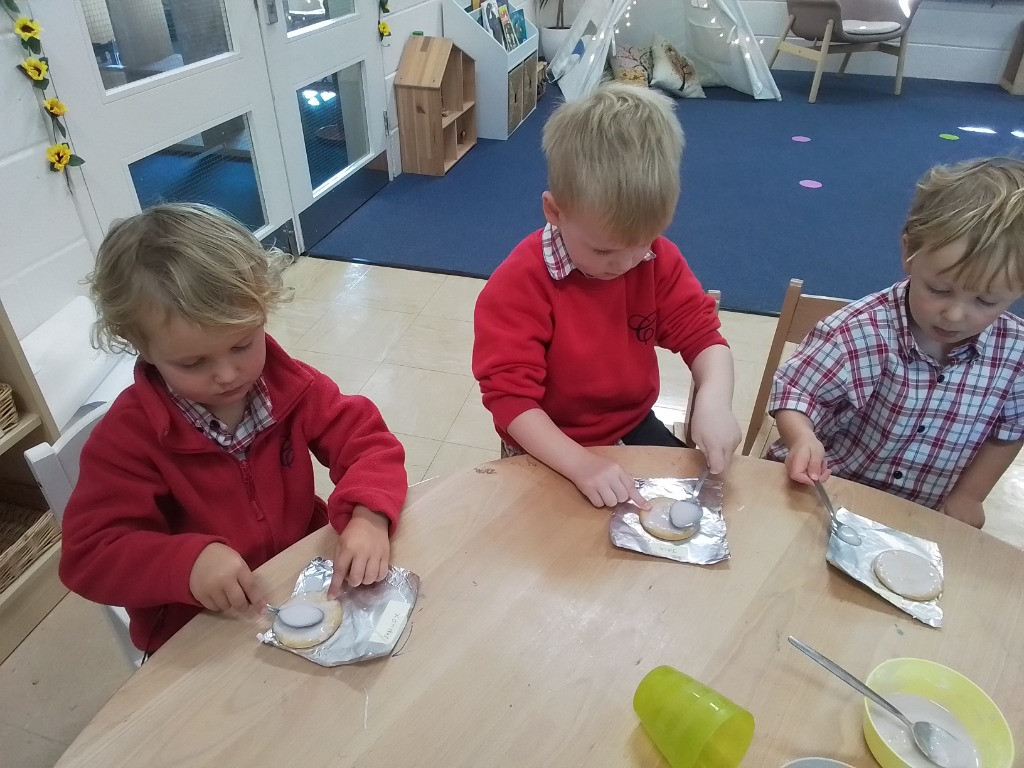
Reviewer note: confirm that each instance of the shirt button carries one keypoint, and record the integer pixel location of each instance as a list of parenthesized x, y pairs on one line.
[(898, 475), (920, 429), (940, 378)]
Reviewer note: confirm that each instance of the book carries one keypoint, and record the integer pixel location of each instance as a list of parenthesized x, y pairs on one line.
[(490, 21), (519, 24), (506, 25)]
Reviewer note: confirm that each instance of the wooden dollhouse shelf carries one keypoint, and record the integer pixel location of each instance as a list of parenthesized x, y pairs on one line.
[(451, 117), (436, 93), (26, 424)]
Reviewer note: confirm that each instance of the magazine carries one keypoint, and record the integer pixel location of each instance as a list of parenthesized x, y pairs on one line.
[(506, 25), (519, 24), (490, 20)]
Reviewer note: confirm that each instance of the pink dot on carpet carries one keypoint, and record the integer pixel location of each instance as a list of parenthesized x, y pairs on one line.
[(810, 184), (802, 139)]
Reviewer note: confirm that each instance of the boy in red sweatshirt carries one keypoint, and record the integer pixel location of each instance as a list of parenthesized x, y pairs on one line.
[(567, 325), (201, 469)]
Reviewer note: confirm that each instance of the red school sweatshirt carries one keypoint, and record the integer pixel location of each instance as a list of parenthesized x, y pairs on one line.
[(583, 349), (153, 492)]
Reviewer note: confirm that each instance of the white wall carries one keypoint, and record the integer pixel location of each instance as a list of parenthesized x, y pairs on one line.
[(44, 253), (965, 41)]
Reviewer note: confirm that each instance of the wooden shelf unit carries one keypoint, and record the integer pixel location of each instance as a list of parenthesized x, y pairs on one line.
[(506, 80), (435, 89), (37, 590)]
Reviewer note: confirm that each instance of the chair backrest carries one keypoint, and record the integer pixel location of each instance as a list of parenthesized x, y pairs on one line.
[(56, 470), (717, 296), (798, 317), (56, 466)]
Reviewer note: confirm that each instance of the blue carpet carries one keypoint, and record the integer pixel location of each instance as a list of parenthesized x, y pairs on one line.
[(744, 223)]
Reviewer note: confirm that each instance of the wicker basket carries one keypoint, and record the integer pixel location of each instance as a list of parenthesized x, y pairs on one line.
[(8, 411), (25, 534)]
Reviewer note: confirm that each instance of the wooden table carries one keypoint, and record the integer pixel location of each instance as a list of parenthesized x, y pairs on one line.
[(532, 632)]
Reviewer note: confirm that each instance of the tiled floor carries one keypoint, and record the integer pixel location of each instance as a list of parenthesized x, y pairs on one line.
[(404, 340)]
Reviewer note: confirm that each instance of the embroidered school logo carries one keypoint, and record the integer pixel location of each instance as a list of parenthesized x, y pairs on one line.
[(287, 452), (643, 327)]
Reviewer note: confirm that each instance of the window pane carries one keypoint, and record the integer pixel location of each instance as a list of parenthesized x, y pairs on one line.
[(333, 115), (136, 39), (301, 14), (216, 166)]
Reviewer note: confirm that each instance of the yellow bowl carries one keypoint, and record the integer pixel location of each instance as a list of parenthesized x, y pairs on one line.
[(951, 690)]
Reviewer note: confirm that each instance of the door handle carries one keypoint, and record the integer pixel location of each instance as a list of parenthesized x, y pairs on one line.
[(271, 11)]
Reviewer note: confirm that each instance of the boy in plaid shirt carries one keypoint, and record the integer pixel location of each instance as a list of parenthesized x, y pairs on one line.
[(201, 469), (917, 390)]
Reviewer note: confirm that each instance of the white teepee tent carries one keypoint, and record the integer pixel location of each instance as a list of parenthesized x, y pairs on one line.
[(714, 34)]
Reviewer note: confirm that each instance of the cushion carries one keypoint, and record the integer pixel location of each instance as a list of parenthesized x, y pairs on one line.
[(854, 27), (632, 64), (673, 72)]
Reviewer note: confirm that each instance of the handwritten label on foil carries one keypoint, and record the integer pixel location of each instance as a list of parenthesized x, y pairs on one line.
[(391, 622)]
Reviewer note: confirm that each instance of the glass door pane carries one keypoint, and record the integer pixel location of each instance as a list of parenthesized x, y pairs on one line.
[(215, 166), (333, 115), (303, 14), (136, 39)]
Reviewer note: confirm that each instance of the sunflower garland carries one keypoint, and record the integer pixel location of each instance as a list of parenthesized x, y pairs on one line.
[(36, 68)]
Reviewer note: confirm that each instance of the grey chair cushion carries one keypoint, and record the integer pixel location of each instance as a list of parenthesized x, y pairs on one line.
[(854, 27)]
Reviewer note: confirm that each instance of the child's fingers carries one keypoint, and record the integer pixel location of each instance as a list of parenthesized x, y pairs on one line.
[(342, 561), (382, 569), (636, 498), (357, 570), (235, 595), (717, 461), (253, 592), (609, 498)]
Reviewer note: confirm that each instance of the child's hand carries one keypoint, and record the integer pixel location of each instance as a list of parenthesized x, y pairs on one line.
[(806, 461), (220, 580), (965, 509), (362, 551), (605, 483), (716, 433)]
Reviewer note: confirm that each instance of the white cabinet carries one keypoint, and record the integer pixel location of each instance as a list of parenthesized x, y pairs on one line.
[(506, 81)]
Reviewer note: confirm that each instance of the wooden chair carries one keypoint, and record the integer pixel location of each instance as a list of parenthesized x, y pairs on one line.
[(847, 27), (798, 317), (56, 470)]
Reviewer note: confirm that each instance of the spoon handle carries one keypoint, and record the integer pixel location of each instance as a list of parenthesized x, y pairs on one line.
[(849, 679), (825, 499), (700, 480)]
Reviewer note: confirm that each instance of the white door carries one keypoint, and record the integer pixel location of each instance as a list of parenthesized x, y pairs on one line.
[(272, 110), (326, 72), (169, 100)]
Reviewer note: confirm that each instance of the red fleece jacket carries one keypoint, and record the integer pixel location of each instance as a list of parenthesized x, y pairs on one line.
[(153, 492), (582, 349)]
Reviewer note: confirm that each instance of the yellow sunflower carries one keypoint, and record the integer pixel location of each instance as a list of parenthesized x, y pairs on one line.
[(26, 28), (55, 107), (35, 68), (59, 155)]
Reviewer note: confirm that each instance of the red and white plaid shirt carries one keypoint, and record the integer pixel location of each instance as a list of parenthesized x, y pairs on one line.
[(890, 415), (257, 418), (556, 255)]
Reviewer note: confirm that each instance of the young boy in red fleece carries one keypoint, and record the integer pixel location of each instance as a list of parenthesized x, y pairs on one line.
[(566, 327), (201, 470)]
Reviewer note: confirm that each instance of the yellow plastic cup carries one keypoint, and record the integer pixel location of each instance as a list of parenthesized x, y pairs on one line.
[(692, 725)]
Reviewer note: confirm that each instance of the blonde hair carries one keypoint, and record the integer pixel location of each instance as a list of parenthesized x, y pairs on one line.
[(186, 259), (981, 203), (615, 154)]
